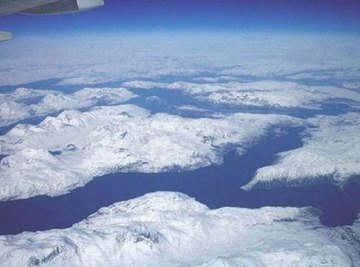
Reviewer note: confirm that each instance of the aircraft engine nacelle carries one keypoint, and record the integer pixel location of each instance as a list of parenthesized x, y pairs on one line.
[(64, 6)]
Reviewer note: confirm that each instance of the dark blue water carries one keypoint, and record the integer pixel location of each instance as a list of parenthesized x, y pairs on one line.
[(215, 186), (168, 101)]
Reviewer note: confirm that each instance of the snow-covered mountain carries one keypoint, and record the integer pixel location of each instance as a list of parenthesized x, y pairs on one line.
[(171, 229), (75, 146), (262, 94), (20, 104), (330, 154)]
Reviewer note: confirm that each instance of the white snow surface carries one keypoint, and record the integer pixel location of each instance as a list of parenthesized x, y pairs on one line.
[(264, 94), (65, 152), (13, 108), (330, 154), (172, 229), (86, 60)]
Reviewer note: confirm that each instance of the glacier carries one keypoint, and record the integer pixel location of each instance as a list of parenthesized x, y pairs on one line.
[(172, 229)]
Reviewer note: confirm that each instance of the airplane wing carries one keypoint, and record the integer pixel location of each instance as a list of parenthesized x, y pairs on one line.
[(8, 7)]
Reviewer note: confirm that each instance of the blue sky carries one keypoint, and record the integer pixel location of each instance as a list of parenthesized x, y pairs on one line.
[(198, 15)]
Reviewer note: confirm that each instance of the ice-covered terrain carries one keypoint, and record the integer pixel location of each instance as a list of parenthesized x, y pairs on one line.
[(171, 229), (264, 94), (75, 146), (89, 60), (129, 121), (331, 153), (18, 105)]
